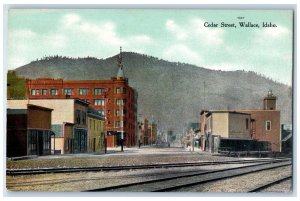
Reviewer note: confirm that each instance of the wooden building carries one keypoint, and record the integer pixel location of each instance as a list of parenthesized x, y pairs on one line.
[(28, 130)]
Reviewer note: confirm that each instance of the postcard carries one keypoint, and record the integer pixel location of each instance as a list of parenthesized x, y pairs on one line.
[(149, 100)]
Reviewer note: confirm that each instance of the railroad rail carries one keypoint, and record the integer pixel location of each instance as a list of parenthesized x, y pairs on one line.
[(14, 172), (188, 180), (272, 183)]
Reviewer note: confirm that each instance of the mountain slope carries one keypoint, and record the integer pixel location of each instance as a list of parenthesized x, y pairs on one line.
[(174, 93)]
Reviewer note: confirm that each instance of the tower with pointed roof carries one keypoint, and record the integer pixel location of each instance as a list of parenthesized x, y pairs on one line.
[(120, 74)]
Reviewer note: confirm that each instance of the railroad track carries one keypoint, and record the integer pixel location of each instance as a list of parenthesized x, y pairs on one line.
[(189, 180), (269, 184), (14, 172)]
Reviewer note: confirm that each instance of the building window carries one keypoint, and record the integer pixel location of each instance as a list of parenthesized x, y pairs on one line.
[(44, 91), (117, 124), (247, 124), (68, 91), (99, 102), (101, 112), (124, 90), (78, 116), (53, 91), (83, 91), (117, 90), (98, 91), (119, 101), (83, 114), (35, 92), (268, 125)]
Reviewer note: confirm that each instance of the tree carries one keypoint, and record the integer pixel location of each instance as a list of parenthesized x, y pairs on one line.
[(15, 86)]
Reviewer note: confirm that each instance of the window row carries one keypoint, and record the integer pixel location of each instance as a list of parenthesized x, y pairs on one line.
[(95, 125), (67, 91)]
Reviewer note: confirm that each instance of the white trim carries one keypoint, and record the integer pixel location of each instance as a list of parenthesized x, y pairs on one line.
[(266, 125)]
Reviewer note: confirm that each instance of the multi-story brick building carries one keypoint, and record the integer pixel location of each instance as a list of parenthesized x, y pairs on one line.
[(114, 99)]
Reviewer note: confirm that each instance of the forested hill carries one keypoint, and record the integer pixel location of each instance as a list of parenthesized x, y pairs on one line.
[(174, 93)]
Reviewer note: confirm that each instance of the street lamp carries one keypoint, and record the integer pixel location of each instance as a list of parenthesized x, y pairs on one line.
[(122, 124), (105, 121)]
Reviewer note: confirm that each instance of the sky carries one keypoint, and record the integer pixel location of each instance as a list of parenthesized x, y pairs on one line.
[(177, 35)]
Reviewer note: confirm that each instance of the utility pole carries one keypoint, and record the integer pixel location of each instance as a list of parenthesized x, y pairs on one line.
[(204, 88), (192, 134), (151, 139)]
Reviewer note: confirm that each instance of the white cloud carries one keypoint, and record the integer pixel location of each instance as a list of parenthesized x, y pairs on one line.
[(182, 53), (180, 33), (275, 32), (207, 35), (144, 39), (195, 30), (56, 41), (267, 36), (104, 32), (23, 34), (224, 66), (71, 33), (71, 19)]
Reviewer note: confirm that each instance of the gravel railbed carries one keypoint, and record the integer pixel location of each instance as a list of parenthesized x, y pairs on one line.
[(245, 183), (74, 182), (129, 157), (285, 186)]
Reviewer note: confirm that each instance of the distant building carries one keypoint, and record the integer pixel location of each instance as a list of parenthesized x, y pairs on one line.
[(69, 122), (153, 133), (114, 99), (28, 130), (143, 130), (194, 125), (255, 124), (147, 132), (96, 131)]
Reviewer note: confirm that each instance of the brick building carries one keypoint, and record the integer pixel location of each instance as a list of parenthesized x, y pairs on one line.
[(255, 124), (114, 99), (28, 130), (265, 124)]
